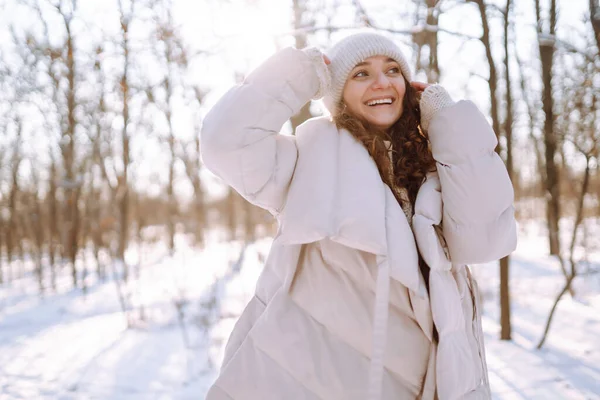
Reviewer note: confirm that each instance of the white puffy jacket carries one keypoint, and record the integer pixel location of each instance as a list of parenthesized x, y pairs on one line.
[(341, 310)]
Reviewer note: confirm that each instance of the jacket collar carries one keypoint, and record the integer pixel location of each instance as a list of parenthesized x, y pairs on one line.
[(336, 192)]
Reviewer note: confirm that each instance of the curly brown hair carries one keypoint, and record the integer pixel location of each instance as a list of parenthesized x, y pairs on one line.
[(411, 153)]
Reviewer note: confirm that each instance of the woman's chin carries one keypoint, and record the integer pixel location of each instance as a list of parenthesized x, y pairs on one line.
[(382, 122), (383, 119)]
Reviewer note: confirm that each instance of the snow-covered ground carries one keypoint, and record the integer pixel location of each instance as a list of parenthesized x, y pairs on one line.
[(181, 309), (568, 366)]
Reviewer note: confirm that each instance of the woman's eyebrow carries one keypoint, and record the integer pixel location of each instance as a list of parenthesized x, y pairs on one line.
[(362, 64)]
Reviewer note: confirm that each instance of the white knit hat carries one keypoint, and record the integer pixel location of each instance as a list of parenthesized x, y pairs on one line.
[(352, 50)]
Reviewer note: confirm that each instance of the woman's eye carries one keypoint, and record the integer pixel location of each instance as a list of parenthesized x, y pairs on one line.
[(394, 70), (360, 74)]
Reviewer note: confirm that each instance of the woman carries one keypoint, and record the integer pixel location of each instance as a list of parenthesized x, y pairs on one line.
[(381, 205)]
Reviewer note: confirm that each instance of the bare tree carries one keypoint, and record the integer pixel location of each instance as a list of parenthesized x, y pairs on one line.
[(5, 85), (193, 168), (493, 75), (173, 57), (35, 225), (231, 213), (537, 143), (583, 103), (546, 44), (425, 36), (53, 230), (12, 234), (60, 65), (2, 223), (531, 119), (106, 194), (505, 331), (301, 21), (505, 325), (71, 182), (595, 20), (50, 61), (249, 222), (97, 132), (122, 193), (192, 163)]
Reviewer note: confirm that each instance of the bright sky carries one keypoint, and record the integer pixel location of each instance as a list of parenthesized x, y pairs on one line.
[(240, 34)]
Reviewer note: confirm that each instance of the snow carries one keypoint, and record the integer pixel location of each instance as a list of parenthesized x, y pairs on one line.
[(567, 367), (67, 345)]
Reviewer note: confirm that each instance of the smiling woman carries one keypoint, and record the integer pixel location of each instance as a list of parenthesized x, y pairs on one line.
[(366, 293)]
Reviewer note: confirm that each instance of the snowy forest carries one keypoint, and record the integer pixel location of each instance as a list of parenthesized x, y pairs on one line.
[(124, 263)]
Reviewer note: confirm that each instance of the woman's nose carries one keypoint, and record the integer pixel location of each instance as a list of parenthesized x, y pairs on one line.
[(381, 81)]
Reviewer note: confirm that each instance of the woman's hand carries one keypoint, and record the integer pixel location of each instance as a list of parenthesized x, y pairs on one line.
[(419, 86)]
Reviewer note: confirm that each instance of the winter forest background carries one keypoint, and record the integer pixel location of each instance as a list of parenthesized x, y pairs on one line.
[(124, 263)]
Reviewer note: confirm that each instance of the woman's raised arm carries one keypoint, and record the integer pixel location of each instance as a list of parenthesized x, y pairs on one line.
[(240, 137), (477, 194)]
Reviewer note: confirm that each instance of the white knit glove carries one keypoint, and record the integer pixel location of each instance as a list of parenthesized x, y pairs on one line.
[(316, 56), (433, 99)]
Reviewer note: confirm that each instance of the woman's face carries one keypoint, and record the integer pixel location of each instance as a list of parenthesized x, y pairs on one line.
[(374, 91)]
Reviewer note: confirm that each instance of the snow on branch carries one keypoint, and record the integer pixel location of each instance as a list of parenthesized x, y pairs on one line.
[(412, 31), (546, 39)]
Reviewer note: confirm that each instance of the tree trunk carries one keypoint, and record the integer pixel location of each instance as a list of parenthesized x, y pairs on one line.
[(74, 234), (546, 44), (123, 184), (578, 220), (52, 223), (12, 237), (505, 331), (193, 172), (505, 325), (433, 72), (493, 79), (200, 213), (249, 222), (231, 213), (595, 20), (171, 205), (95, 204), (35, 224), (71, 212), (300, 37), (199, 207), (171, 201), (97, 244), (1, 251), (166, 34)]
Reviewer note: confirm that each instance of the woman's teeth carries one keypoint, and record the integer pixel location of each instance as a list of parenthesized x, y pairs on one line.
[(379, 101)]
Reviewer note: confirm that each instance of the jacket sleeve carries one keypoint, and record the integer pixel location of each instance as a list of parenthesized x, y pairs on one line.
[(240, 138), (477, 194)]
